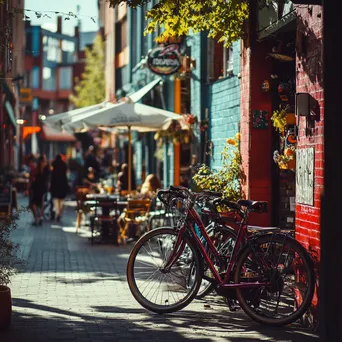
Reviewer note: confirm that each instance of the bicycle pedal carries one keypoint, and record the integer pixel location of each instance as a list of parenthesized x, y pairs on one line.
[(231, 304)]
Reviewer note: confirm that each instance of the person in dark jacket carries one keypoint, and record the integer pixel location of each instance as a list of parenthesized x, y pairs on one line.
[(39, 186), (59, 185)]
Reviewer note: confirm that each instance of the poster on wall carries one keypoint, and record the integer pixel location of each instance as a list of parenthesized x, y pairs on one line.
[(164, 60), (260, 119), (305, 176)]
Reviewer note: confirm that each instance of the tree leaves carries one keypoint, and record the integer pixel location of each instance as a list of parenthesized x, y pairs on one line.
[(90, 89), (222, 19)]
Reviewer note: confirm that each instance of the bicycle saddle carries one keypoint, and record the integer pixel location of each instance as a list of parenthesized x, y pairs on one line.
[(256, 206)]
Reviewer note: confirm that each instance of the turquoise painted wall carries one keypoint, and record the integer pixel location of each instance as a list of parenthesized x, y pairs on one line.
[(222, 98), (224, 109), (131, 79)]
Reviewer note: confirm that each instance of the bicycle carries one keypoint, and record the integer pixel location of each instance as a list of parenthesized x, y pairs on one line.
[(221, 234), (255, 271)]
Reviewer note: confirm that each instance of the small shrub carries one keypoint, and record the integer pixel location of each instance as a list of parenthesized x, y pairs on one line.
[(228, 179), (9, 260)]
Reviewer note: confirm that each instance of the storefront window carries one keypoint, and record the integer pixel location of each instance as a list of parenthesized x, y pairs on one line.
[(220, 60)]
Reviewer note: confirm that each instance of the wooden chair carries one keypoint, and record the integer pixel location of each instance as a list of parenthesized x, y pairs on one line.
[(81, 193), (136, 214), (105, 218)]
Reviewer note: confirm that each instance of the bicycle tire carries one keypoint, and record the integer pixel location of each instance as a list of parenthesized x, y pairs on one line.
[(289, 242), (210, 286), (147, 304)]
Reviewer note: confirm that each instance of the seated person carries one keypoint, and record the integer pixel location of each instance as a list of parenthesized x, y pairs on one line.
[(90, 178), (150, 186), (123, 178), (148, 191)]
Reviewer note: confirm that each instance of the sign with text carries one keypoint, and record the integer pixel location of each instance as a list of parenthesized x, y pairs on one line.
[(305, 176), (164, 60)]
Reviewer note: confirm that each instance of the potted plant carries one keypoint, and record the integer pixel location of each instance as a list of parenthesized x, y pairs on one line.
[(286, 161), (228, 179), (9, 263)]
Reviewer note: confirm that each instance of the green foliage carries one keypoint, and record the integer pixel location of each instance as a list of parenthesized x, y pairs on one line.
[(228, 179), (9, 261), (222, 19), (90, 89)]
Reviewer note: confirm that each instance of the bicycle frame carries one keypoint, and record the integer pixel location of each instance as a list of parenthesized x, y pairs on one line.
[(180, 244)]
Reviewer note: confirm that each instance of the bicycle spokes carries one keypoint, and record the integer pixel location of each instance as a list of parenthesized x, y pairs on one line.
[(276, 264), (159, 284)]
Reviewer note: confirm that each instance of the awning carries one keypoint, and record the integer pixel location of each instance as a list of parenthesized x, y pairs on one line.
[(11, 114), (50, 134), (138, 95)]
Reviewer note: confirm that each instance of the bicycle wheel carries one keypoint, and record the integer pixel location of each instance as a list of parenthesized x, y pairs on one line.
[(224, 238), (153, 287), (289, 269)]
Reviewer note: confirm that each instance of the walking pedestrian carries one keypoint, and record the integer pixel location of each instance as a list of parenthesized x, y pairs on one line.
[(59, 185), (38, 188)]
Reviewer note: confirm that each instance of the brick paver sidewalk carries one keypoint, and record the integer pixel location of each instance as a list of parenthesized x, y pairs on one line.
[(72, 291)]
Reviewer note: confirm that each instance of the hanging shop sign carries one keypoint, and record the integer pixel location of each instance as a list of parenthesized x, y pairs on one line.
[(164, 60)]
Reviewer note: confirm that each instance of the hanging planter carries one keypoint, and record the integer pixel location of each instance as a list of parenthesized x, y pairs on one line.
[(286, 161), (290, 165)]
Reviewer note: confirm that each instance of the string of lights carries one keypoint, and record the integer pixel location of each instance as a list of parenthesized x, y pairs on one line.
[(44, 14)]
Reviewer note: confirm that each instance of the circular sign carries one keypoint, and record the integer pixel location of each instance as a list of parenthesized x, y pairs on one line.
[(164, 60)]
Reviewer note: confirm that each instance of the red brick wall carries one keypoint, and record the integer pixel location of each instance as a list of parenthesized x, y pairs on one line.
[(310, 80), (261, 153), (256, 143), (245, 103)]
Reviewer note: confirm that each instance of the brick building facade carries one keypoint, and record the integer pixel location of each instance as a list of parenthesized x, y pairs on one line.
[(311, 129), (287, 51)]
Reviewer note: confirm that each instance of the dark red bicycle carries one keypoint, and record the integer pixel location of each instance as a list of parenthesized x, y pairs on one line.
[(270, 273)]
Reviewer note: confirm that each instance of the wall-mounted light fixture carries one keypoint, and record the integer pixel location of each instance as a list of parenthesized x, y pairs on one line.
[(304, 105), (308, 107)]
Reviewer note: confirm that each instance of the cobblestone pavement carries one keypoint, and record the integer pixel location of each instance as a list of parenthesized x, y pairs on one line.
[(72, 291)]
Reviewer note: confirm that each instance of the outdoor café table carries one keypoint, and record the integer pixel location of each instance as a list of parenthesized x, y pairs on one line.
[(106, 203)]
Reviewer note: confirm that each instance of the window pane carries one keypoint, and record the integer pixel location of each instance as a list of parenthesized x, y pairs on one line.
[(65, 78), (68, 51), (49, 78), (35, 77)]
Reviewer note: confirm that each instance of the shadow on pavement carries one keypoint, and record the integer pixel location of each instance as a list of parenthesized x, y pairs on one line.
[(221, 322), (70, 326)]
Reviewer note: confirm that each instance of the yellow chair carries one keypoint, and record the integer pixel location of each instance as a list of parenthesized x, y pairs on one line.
[(136, 213), (81, 193)]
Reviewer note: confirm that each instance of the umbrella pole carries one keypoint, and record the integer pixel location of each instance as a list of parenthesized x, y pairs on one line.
[(129, 159)]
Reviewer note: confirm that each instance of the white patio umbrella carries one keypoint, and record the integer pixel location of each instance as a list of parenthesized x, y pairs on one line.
[(58, 120), (134, 116)]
